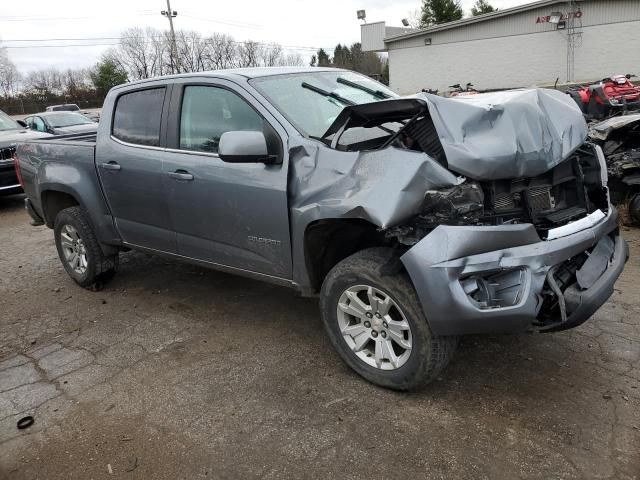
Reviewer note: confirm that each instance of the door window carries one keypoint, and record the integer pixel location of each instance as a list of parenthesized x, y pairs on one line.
[(36, 123), (208, 112), (137, 117)]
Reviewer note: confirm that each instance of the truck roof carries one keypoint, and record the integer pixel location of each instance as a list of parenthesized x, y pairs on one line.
[(251, 72)]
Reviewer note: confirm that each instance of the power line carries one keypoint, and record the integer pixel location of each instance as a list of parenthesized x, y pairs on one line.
[(63, 46), (47, 19), (61, 39), (224, 22), (119, 42)]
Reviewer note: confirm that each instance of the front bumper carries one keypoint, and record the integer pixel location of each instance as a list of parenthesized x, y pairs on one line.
[(440, 262), (9, 183)]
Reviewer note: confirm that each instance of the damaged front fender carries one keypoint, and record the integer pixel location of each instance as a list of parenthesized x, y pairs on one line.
[(383, 187)]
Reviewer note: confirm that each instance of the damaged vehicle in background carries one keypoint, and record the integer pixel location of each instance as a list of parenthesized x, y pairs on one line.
[(619, 138), (415, 220)]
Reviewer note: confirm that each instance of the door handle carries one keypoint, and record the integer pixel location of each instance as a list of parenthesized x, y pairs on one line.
[(181, 175), (110, 166)]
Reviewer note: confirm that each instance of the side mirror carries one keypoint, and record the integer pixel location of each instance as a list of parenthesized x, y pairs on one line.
[(244, 147), (22, 123)]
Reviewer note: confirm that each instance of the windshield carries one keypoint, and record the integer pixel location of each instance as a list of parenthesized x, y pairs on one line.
[(67, 119), (7, 123), (311, 101)]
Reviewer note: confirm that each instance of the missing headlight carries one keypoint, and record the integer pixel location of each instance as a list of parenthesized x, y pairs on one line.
[(495, 289)]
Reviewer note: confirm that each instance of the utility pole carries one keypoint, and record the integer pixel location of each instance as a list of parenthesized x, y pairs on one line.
[(574, 36), (171, 14)]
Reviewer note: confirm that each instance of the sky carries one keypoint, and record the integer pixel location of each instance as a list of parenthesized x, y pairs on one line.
[(49, 33)]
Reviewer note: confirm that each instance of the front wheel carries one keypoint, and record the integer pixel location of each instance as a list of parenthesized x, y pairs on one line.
[(634, 209), (79, 250), (376, 323)]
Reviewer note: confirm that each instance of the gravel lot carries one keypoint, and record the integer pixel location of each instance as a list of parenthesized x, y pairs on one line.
[(173, 371)]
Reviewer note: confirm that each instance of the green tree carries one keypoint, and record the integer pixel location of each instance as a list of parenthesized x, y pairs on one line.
[(323, 58), (107, 74), (342, 57), (481, 7), (440, 11)]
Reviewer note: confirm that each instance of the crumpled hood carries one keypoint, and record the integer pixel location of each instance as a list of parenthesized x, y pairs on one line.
[(512, 134), (602, 130), (11, 137), (490, 136)]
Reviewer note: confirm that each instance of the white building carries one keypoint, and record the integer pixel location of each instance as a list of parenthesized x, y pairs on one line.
[(532, 44)]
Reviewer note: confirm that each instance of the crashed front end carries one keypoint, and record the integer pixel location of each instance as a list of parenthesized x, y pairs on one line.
[(498, 206), (508, 255)]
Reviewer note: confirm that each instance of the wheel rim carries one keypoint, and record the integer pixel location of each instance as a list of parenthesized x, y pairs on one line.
[(74, 249), (374, 327)]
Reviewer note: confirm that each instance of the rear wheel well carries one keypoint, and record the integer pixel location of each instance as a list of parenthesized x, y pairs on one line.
[(53, 202), (327, 242)]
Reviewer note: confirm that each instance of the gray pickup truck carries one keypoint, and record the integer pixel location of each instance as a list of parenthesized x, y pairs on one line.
[(414, 219)]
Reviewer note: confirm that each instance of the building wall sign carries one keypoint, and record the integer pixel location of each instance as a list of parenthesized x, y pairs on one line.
[(564, 17)]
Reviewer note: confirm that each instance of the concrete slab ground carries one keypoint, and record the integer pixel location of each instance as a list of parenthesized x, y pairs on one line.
[(176, 372)]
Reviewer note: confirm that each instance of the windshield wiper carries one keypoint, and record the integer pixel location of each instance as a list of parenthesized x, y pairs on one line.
[(376, 93), (324, 93)]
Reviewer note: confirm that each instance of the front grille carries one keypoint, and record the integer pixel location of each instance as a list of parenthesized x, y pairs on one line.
[(504, 201), (540, 199), (551, 199), (6, 153)]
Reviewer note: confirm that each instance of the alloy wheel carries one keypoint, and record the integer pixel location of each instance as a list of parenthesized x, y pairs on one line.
[(374, 327)]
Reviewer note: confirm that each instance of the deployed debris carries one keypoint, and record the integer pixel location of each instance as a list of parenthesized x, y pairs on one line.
[(619, 138)]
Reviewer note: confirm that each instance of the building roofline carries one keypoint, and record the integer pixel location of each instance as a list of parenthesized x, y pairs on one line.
[(471, 20)]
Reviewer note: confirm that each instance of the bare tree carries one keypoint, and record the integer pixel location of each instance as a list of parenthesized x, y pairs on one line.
[(147, 53), (9, 75), (48, 80), (191, 50), (248, 53), (271, 55), (291, 60)]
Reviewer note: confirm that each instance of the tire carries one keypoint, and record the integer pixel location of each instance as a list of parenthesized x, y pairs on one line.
[(634, 209), (428, 354), (92, 268)]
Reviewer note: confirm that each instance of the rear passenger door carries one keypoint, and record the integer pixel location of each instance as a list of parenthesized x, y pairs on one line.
[(129, 162), (231, 214)]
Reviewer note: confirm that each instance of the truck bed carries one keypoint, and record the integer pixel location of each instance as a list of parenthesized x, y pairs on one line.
[(64, 163)]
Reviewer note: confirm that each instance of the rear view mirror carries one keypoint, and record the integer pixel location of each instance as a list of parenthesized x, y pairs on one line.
[(244, 147)]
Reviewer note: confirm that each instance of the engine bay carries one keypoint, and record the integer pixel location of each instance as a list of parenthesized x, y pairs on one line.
[(568, 192)]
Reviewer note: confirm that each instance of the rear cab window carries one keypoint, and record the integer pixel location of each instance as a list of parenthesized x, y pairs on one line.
[(138, 116)]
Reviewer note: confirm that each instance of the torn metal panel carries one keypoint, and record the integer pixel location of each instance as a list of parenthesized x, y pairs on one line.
[(602, 130), (449, 267), (384, 187)]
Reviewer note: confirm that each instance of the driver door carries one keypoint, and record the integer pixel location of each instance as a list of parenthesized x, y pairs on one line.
[(231, 214)]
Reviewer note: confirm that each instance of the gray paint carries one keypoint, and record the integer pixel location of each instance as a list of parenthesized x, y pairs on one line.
[(251, 218), (514, 134), (242, 144), (437, 262), (602, 130)]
